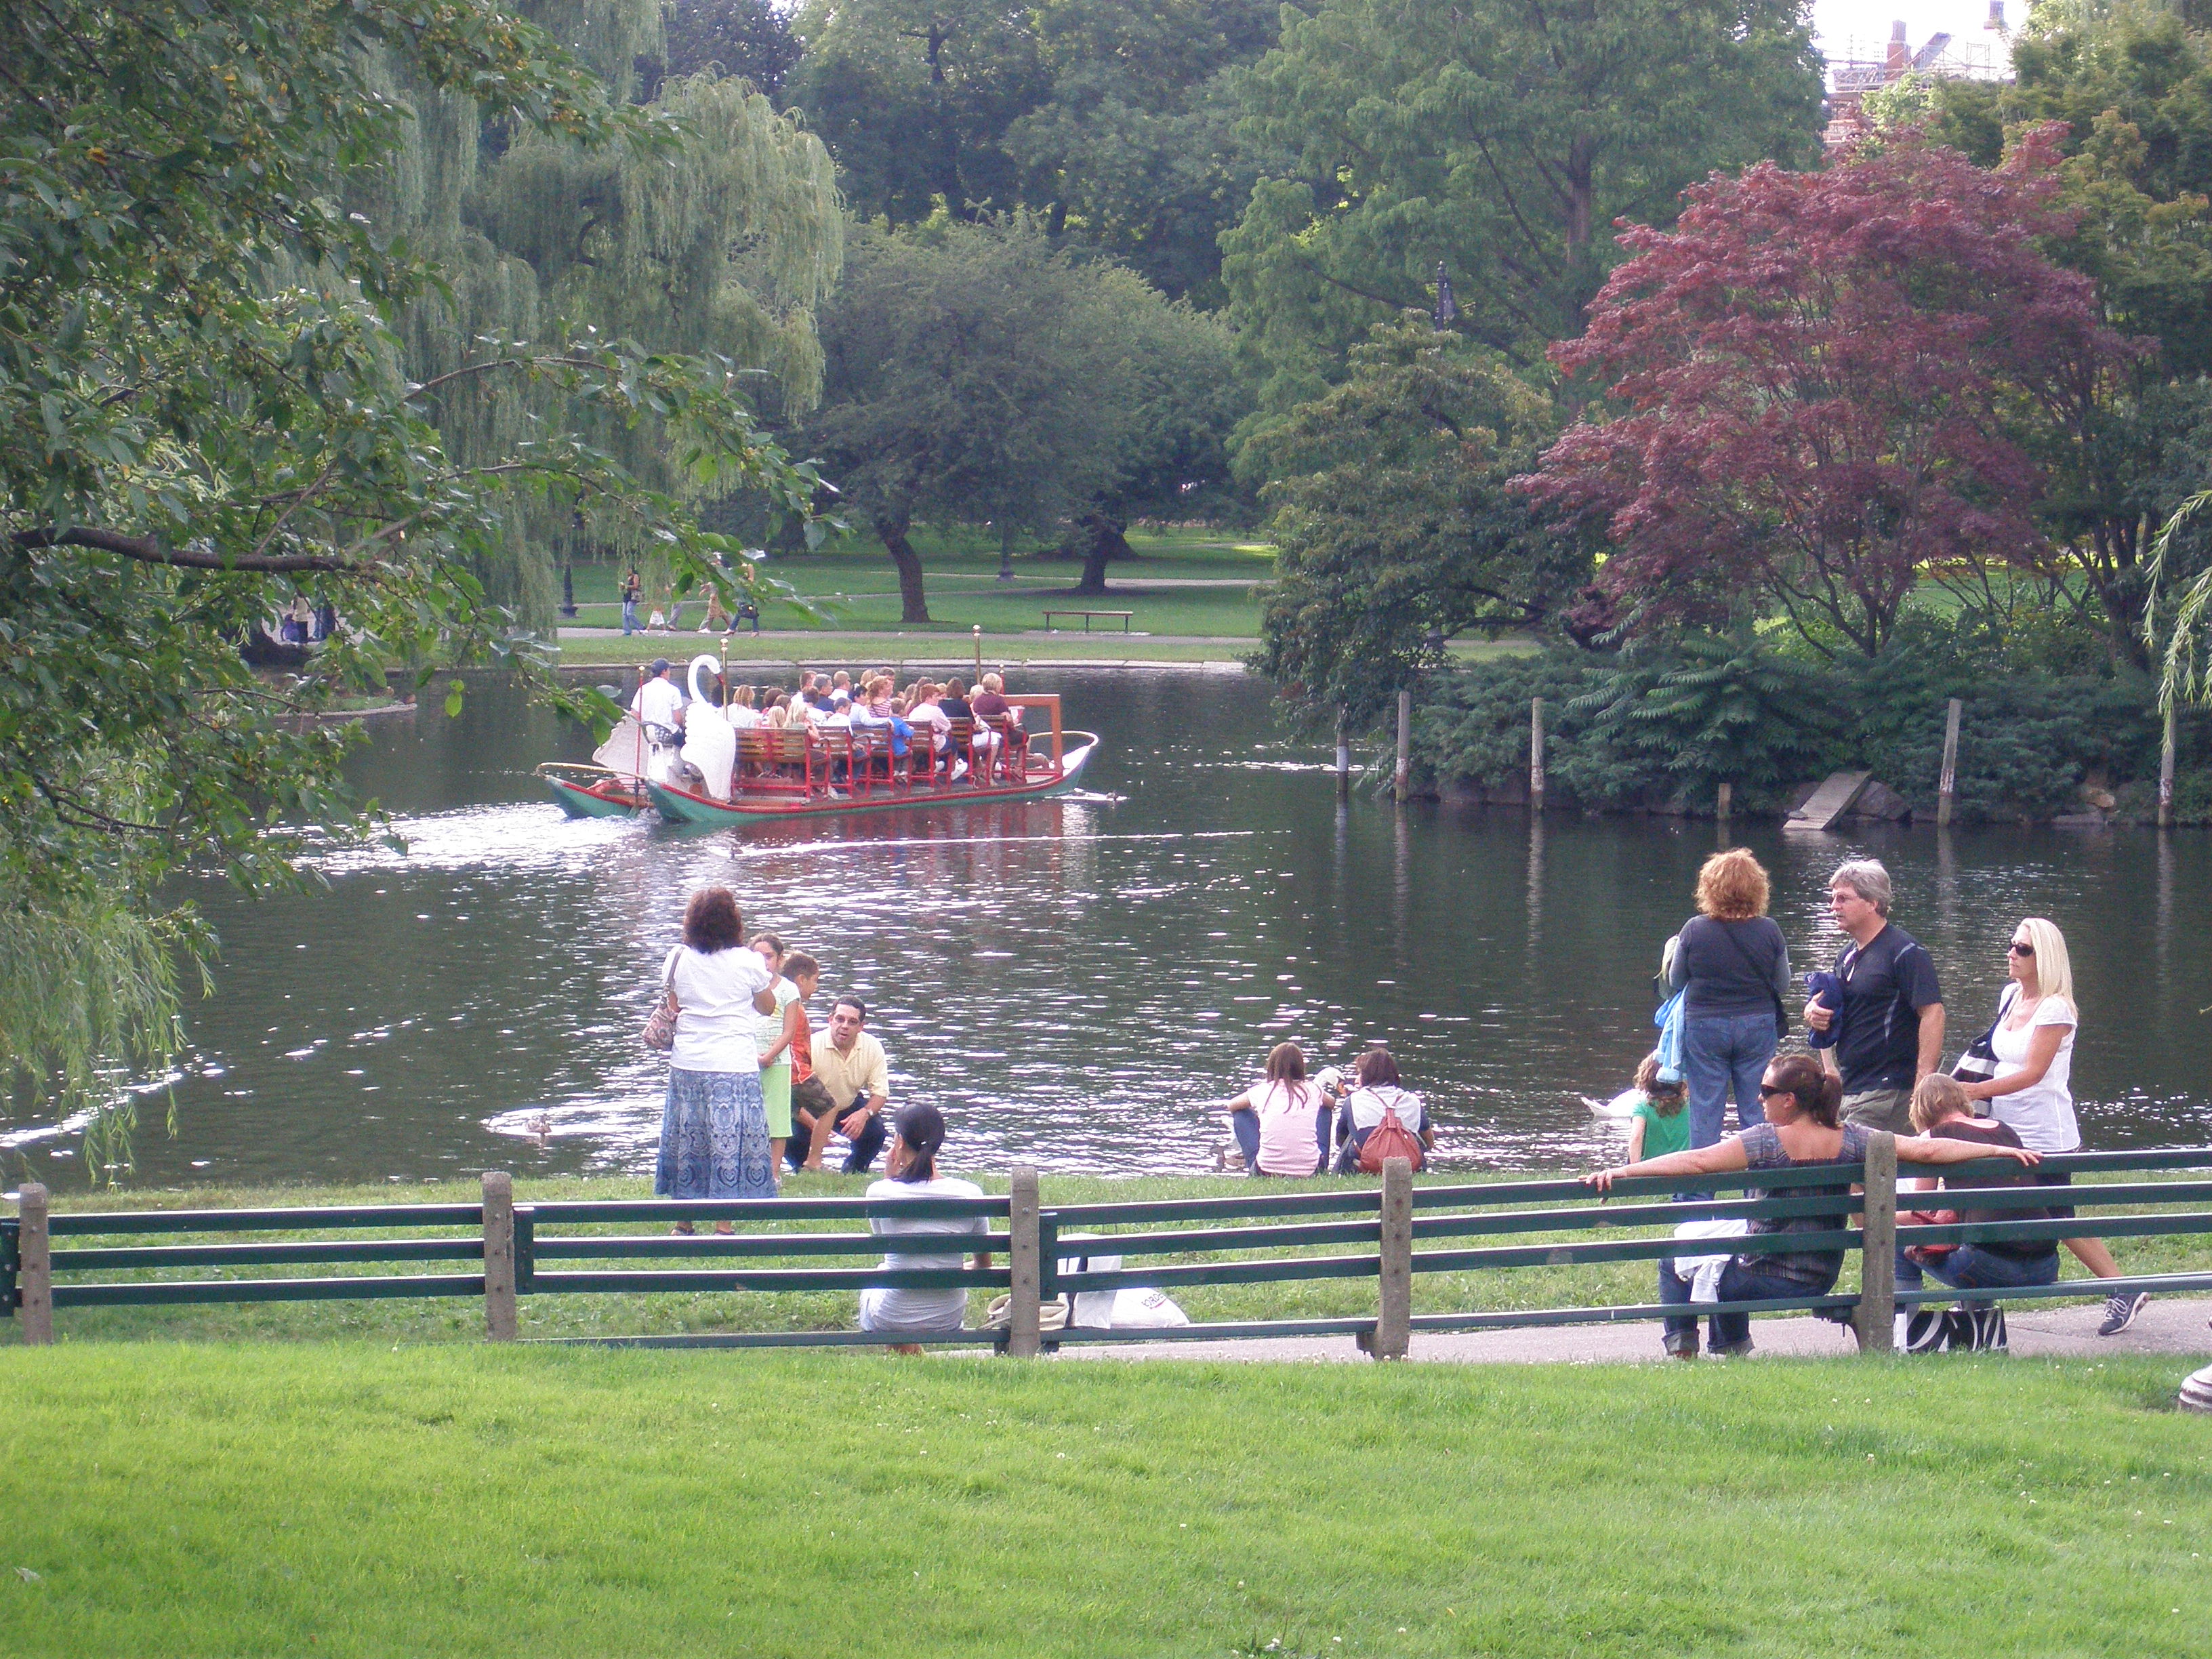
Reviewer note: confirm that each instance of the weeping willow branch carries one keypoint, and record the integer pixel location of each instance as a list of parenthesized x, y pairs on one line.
[(2182, 679)]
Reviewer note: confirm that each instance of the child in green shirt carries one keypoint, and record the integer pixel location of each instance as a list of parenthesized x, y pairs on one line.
[(1657, 1125)]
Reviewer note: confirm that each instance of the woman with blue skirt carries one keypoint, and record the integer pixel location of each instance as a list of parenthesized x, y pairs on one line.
[(714, 1132)]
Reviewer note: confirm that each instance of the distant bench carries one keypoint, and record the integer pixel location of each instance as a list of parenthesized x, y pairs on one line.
[(1087, 615)]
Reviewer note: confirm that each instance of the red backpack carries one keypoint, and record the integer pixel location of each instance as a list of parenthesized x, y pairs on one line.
[(1390, 1138)]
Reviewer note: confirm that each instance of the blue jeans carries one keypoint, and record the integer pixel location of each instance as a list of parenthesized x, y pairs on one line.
[(1244, 1124), (1721, 1051), (629, 616), (1744, 1279), (1971, 1268)]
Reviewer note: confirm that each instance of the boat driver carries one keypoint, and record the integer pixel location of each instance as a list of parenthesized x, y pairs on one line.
[(659, 707)]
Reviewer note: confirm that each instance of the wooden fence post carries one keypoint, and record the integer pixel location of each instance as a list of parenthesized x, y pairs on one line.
[(1395, 1311), (1947, 790), (499, 1255), (1405, 771), (1536, 755), (1025, 1259), (1723, 800), (35, 1253), (1875, 1322), (2166, 772)]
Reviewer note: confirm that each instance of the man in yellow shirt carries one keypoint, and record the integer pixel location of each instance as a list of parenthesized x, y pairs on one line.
[(851, 1070)]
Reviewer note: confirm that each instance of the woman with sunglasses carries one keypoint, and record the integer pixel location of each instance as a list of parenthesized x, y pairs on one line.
[(2033, 1090), (1801, 1100)]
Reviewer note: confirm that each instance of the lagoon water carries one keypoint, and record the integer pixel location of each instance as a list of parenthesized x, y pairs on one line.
[(1076, 982)]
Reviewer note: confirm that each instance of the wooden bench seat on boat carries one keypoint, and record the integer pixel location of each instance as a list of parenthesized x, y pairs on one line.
[(777, 760)]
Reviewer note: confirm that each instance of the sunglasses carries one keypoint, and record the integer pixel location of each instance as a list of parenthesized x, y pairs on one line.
[(2016, 948), (1768, 1093)]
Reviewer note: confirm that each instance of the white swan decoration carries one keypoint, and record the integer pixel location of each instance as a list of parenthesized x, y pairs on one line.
[(709, 744)]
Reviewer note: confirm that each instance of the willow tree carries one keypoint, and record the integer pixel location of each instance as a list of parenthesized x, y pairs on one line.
[(201, 421), (720, 245)]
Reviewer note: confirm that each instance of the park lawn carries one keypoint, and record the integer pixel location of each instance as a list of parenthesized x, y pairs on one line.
[(783, 655), (352, 1498), (459, 1319)]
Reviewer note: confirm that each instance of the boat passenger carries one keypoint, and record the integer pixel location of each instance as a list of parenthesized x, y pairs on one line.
[(897, 1312), (1280, 1122), (840, 689), (741, 712), (928, 711)]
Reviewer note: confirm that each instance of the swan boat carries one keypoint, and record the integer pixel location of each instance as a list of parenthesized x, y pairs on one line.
[(712, 772)]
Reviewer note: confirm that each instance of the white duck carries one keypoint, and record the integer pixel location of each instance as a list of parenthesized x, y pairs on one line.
[(710, 743)]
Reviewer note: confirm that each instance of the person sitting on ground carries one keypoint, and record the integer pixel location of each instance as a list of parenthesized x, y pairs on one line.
[(1374, 1093), (1657, 1124), (1801, 1101), (912, 1168), (856, 1082), (1942, 1110), (1280, 1122)]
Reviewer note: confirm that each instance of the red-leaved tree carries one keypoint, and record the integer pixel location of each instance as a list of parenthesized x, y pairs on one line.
[(1819, 384)]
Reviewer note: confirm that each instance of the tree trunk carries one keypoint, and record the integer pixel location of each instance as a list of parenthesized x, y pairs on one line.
[(1108, 541), (914, 603)]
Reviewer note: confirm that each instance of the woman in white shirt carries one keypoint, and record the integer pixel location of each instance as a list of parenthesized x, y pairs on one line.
[(895, 1311), (2032, 1091), (714, 1132), (1376, 1092)]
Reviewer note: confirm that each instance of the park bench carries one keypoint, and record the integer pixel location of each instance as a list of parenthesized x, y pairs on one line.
[(500, 1251), (1126, 617)]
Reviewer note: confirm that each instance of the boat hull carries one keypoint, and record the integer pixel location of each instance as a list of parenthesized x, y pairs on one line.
[(682, 807), (581, 803)]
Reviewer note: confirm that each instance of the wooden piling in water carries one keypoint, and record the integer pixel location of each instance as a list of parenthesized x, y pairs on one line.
[(1536, 755), (1948, 789), (2166, 772), (1405, 771), (1343, 758)]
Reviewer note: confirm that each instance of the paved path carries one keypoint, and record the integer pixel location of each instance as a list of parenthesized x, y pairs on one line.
[(2169, 1325)]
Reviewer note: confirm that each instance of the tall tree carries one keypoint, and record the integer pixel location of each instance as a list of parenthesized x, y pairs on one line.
[(1501, 137), (1821, 380), (914, 98), (750, 40), (1135, 149), (200, 421), (1395, 527), (2133, 84)]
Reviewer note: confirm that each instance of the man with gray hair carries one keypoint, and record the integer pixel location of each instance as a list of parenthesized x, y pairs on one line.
[(1889, 1029)]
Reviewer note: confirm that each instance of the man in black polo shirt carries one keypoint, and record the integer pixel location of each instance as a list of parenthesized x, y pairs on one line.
[(1891, 1034)]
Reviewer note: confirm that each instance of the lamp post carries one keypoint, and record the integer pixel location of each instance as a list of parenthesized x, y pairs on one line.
[(569, 590)]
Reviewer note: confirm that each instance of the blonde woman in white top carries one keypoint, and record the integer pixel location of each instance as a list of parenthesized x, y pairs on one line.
[(2032, 1091)]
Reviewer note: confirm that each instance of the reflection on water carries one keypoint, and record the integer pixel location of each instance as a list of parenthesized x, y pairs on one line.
[(1075, 981)]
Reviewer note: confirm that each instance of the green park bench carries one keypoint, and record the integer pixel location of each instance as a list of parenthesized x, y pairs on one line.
[(1126, 617)]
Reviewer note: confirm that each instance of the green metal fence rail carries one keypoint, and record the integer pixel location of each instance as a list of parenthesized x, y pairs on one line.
[(503, 1251)]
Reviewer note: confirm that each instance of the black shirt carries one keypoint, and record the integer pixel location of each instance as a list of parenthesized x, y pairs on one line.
[(1724, 981), (1887, 983)]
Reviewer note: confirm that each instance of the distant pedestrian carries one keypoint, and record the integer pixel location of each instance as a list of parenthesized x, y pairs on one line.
[(1889, 1031), (713, 1133), (1731, 961), (632, 589), (2032, 1039)]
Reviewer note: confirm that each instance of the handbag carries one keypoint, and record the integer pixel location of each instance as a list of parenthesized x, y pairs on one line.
[(1781, 1013), (1980, 1063), (1925, 1254), (659, 1032), (1390, 1138)]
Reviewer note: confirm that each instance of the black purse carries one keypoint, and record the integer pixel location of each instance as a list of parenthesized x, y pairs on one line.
[(1980, 1063)]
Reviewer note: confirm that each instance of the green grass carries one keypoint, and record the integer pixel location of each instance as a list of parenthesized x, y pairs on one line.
[(893, 649), (353, 1499), (460, 1319), (856, 588)]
